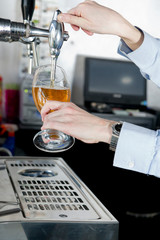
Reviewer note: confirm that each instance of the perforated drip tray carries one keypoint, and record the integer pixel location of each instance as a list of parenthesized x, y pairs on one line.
[(47, 190)]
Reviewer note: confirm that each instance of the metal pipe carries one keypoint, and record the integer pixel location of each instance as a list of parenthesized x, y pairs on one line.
[(13, 31)]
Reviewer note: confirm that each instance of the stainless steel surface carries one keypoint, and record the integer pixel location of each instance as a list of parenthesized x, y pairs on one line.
[(57, 35), (28, 34), (16, 31), (45, 191), (11, 31), (50, 196), (7, 194)]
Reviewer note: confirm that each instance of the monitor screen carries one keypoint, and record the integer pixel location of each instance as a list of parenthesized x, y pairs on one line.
[(113, 82)]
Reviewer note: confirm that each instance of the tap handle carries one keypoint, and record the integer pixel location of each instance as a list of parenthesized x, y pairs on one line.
[(27, 9), (60, 26), (57, 35)]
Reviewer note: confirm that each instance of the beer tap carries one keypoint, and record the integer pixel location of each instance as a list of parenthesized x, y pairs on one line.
[(27, 33), (28, 7), (27, 10), (57, 35)]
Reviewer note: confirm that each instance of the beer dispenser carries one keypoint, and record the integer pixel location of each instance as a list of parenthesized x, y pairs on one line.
[(28, 34)]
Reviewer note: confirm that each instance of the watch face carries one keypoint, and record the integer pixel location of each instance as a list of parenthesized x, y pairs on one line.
[(118, 127)]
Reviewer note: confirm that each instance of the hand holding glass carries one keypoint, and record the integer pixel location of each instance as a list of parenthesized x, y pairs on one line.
[(46, 89)]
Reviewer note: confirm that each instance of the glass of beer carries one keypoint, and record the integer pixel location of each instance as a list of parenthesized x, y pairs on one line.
[(51, 84)]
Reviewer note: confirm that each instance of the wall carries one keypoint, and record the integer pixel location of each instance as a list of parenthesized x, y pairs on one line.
[(144, 13)]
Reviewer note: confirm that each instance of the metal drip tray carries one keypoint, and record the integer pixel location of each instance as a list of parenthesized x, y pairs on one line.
[(46, 190), (42, 198)]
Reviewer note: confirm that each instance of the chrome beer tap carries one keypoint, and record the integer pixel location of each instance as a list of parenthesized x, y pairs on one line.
[(57, 35), (27, 33)]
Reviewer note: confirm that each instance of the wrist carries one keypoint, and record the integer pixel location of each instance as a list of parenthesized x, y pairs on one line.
[(133, 37), (107, 131)]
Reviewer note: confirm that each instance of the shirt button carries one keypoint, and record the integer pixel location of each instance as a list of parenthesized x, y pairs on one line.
[(131, 164)]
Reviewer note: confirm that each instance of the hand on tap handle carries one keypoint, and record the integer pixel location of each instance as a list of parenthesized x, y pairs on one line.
[(92, 18)]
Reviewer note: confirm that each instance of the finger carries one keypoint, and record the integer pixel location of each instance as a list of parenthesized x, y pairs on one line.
[(75, 11), (59, 116), (60, 19), (60, 126), (50, 106), (76, 28), (87, 32), (72, 19)]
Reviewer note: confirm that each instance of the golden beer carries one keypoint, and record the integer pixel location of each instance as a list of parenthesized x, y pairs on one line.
[(43, 94)]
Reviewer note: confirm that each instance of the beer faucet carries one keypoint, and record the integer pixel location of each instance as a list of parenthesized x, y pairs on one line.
[(27, 7), (57, 35), (27, 33)]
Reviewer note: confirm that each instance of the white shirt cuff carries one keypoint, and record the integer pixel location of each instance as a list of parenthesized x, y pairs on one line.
[(135, 148)]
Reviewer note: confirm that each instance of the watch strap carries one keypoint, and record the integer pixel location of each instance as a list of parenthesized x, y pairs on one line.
[(115, 136), (113, 143)]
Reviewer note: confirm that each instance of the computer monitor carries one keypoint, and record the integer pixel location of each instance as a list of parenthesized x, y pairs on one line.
[(114, 82)]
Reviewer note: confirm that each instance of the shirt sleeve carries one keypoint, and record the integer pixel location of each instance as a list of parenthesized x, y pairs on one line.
[(146, 57), (138, 149)]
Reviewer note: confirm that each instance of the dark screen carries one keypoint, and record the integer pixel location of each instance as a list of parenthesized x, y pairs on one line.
[(115, 77), (113, 82)]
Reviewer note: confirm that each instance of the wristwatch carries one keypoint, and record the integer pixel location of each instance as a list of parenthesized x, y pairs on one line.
[(116, 128)]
